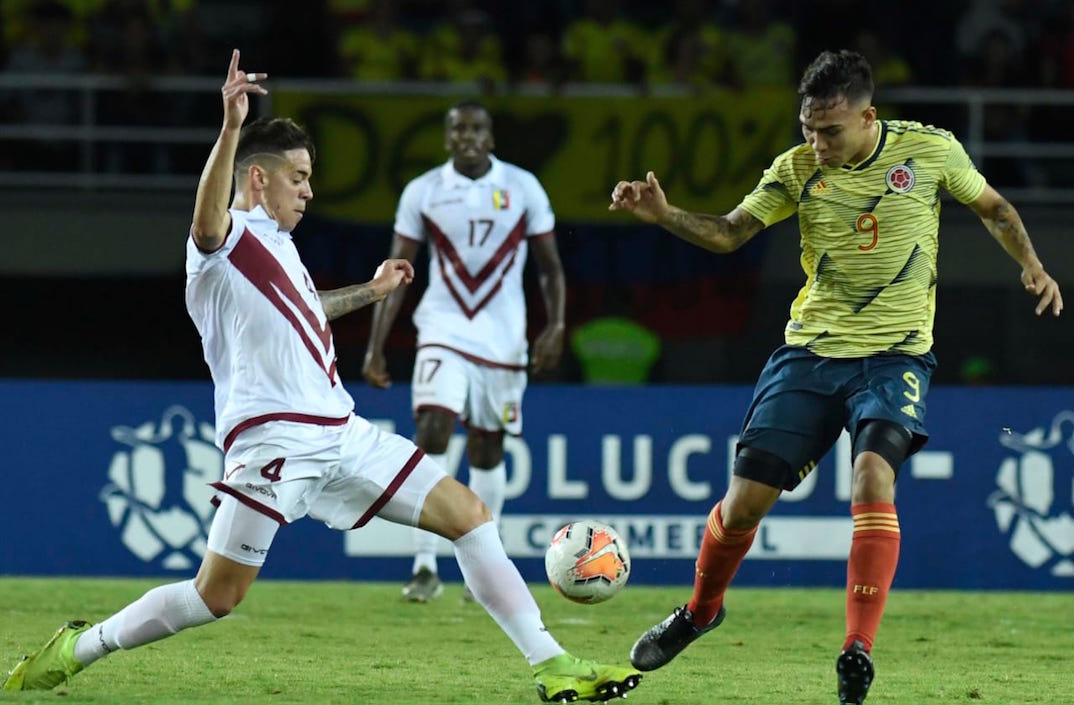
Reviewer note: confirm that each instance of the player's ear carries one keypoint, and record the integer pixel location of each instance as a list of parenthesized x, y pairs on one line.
[(258, 177), (869, 115)]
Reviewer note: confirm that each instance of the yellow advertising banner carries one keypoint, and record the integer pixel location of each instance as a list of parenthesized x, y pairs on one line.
[(707, 150)]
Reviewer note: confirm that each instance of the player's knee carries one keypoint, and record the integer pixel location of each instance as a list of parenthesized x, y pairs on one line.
[(474, 513), (887, 439), (873, 482), (737, 516), (746, 503), (221, 600), (879, 450), (484, 448), (453, 510), (434, 431)]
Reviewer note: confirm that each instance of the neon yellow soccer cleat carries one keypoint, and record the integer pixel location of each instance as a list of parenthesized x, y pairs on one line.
[(53, 664), (564, 679)]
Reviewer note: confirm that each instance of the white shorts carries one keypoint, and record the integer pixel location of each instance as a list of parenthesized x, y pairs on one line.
[(342, 475), (485, 397)]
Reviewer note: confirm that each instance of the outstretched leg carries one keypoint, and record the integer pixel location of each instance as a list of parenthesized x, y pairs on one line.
[(732, 525), (434, 427), (220, 585), (454, 512)]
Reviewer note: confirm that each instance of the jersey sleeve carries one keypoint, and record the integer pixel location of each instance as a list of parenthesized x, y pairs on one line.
[(198, 260), (540, 218), (773, 199), (408, 222), (960, 177)]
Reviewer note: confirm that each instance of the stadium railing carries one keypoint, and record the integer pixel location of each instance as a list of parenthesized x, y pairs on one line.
[(965, 109)]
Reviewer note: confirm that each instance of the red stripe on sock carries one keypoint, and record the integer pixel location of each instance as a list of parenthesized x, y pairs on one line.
[(874, 554)]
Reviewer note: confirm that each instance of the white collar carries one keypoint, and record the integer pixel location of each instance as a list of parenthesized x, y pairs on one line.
[(454, 179), (259, 214)]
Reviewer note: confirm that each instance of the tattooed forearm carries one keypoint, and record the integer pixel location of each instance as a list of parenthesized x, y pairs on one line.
[(1006, 226), (350, 298), (713, 232)]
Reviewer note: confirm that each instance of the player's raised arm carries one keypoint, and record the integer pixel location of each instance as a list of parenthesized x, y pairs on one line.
[(1006, 226), (718, 233), (375, 367), (390, 275), (211, 219)]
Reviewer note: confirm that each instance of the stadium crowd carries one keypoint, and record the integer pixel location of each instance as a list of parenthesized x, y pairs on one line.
[(693, 45), (696, 42)]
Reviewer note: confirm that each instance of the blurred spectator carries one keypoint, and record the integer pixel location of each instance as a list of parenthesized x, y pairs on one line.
[(889, 68), (1057, 64), (18, 25), (997, 63), (187, 52), (298, 41), (603, 47), (980, 20), (125, 44), (463, 50), (762, 47), (542, 64), (47, 48), (691, 49), (376, 48)]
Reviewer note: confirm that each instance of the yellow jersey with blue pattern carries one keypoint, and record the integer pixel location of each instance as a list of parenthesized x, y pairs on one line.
[(869, 237)]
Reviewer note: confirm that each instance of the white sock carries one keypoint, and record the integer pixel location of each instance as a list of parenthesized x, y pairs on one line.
[(491, 486), (426, 542), (497, 585), (161, 612)]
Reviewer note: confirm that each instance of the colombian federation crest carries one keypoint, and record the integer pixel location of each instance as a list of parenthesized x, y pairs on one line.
[(900, 178), (158, 497), (1034, 502)]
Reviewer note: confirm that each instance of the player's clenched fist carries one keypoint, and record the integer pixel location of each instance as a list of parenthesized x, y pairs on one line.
[(645, 199), (391, 274)]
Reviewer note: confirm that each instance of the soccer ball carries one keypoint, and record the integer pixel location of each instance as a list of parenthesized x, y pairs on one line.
[(587, 562)]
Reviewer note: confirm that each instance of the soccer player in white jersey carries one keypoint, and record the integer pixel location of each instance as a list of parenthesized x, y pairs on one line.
[(479, 216), (293, 446)]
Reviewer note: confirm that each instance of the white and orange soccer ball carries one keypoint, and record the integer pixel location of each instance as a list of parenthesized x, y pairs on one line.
[(587, 562)]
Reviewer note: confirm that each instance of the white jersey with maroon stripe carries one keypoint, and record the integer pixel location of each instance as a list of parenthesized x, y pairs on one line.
[(477, 231), (265, 335)]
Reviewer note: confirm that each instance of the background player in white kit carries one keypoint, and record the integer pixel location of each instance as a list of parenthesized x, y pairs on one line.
[(293, 446), (479, 216)]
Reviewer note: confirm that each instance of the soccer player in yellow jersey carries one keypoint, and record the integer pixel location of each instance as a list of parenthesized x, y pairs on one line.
[(857, 353)]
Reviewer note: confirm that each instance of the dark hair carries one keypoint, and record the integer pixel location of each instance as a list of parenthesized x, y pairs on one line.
[(832, 75), (272, 136), (466, 104)]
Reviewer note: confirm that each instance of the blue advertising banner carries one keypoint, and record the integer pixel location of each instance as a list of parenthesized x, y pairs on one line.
[(110, 478)]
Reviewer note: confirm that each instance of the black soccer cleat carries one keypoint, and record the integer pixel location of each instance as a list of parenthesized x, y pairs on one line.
[(854, 669), (664, 641)]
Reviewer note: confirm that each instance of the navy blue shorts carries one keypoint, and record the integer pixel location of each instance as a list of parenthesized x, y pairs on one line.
[(803, 401)]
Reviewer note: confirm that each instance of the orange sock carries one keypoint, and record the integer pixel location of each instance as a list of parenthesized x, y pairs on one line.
[(874, 553), (718, 560)]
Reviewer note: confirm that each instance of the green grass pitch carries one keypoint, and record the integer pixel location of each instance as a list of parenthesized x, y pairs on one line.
[(320, 642)]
